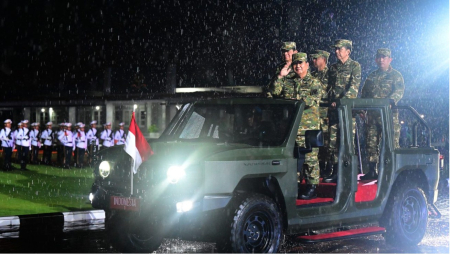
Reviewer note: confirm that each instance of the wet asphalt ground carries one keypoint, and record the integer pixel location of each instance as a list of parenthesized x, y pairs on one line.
[(93, 238)]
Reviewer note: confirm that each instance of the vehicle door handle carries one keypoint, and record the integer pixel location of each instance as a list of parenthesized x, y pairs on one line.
[(276, 162)]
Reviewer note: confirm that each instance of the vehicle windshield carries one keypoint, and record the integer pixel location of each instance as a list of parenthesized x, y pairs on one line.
[(252, 124)]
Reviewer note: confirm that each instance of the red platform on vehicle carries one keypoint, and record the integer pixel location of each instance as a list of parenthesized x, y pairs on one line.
[(342, 234), (367, 191)]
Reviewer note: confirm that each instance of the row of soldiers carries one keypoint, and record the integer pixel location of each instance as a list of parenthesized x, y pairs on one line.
[(293, 80), (68, 143)]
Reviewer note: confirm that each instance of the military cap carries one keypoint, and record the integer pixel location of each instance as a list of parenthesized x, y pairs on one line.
[(93, 122), (33, 124), (49, 123), (68, 125), (19, 123), (121, 124), (24, 121), (62, 124), (8, 121), (81, 125), (287, 45), (384, 52), (342, 43), (107, 124), (299, 57), (320, 53)]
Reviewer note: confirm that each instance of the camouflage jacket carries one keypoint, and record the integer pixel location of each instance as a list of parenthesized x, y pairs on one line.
[(384, 84), (269, 87), (344, 79), (322, 76), (309, 89)]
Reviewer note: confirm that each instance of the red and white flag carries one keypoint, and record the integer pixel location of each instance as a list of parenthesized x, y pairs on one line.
[(136, 145)]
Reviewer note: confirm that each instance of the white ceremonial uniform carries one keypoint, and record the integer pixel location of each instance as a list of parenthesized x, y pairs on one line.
[(47, 137), (107, 138), (25, 133), (91, 136), (34, 136), (6, 136), (120, 136), (80, 140)]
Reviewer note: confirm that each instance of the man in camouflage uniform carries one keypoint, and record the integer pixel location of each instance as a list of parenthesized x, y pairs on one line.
[(385, 82), (320, 60), (344, 78), (304, 87), (288, 48)]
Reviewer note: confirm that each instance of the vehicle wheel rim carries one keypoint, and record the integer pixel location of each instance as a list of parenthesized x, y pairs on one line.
[(258, 232), (411, 214)]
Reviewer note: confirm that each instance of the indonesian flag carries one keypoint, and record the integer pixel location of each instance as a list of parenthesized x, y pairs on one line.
[(136, 145)]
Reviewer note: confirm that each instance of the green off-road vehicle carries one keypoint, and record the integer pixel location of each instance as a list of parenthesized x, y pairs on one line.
[(226, 170)]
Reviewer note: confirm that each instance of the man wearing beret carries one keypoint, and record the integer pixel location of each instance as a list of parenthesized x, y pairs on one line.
[(385, 82), (320, 61), (303, 87), (344, 78), (288, 48)]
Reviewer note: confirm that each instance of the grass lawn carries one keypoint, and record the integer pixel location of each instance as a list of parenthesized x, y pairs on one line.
[(44, 189)]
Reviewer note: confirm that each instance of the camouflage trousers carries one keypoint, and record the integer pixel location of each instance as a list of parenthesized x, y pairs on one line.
[(310, 121), (374, 132), (334, 139), (397, 128), (324, 154)]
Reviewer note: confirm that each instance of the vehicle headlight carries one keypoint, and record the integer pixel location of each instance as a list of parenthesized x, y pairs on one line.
[(104, 169), (175, 173)]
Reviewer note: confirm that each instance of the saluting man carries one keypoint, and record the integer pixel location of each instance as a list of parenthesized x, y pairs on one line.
[(7, 144), (66, 138), (307, 88), (92, 138), (107, 136), (80, 145), (47, 137), (35, 136), (120, 136), (26, 144)]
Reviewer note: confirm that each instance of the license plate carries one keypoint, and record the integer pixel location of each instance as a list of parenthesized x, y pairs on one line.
[(123, 203)]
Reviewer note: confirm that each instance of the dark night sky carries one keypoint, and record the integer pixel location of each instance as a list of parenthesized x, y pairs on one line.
[(61, 46)]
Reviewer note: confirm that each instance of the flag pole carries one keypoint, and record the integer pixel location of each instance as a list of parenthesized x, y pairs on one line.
[(132, 160)]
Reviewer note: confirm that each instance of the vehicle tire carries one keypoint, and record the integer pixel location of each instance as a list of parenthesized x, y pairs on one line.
[(256, 226), (131, 233), (406, 215)]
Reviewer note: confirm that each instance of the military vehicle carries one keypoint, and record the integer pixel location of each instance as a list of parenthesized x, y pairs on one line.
[(226, 170)]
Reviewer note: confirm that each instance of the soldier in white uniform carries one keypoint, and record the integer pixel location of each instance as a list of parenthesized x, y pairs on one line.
[(60, 146), (35, 136), (47, 138), (7, 144), (66, 138), (26, 144), (80, 145), (107, 136), (74, 133), (120, 136), (92, 139), (18, 140)]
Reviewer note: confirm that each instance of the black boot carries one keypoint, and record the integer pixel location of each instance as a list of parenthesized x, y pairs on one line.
[(333, 177), (310, 192), (372, 174)]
